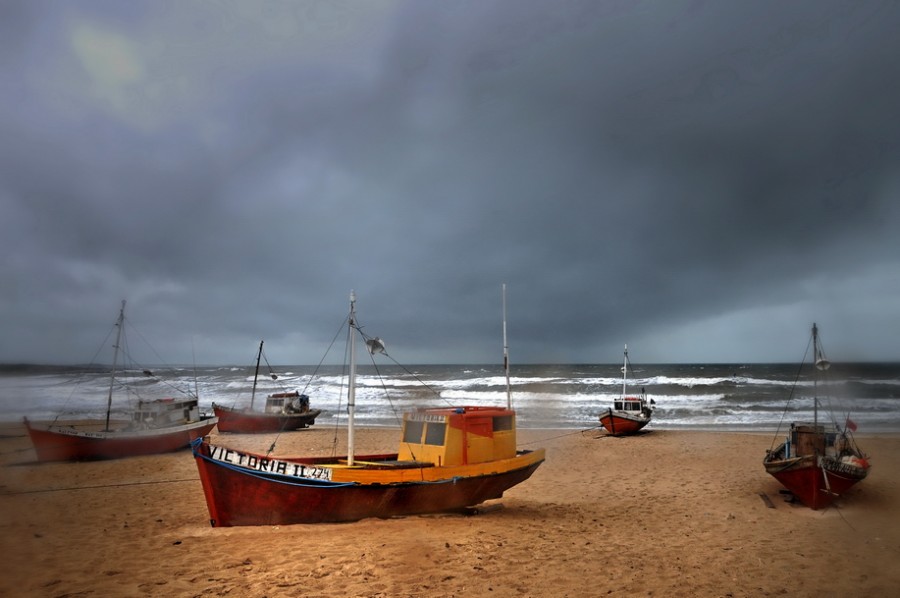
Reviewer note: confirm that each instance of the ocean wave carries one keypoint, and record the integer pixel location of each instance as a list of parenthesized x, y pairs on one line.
[(544, 396)]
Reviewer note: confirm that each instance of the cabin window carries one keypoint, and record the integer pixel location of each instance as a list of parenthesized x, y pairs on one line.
[(617, 405), (633, 406), (413, 432), (434, 433), (503, 422)]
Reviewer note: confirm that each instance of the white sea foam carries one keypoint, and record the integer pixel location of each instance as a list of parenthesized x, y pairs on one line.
[(544, 396)]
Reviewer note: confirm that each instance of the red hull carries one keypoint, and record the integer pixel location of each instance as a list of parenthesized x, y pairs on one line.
[(806, 481), (249, 422), (238, 497), (62, 443), (817, 462), (618, 424)]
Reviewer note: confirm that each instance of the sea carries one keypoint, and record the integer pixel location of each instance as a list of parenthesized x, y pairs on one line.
[(727, 397)]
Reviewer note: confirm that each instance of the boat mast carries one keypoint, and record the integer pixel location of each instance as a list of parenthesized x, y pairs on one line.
[(351, 389), (194, 358), (506, 353), (625, 373), (821, 364), (815, 332), (256, 375), (112, 376)]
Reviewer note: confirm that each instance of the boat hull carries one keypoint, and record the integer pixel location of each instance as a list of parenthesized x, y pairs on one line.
[(815, 482), (618, 423), (66, 443), (249, 422), (238, 496)]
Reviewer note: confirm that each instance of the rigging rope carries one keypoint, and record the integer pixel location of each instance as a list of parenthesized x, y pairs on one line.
[(81, 374), (791, 395), (313, 377)]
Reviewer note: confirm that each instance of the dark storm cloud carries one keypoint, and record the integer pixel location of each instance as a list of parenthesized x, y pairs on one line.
[(700, 180)]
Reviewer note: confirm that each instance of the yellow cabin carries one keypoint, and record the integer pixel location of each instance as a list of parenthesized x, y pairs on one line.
[(458, 436)]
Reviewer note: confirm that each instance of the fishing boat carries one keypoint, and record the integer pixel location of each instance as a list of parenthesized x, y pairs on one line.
[(284, 411), (153, 426), (817, 461), (628, 414), (448, 459)]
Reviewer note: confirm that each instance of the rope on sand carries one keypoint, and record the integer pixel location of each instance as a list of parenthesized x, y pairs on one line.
[(98, 487), (560, 436)]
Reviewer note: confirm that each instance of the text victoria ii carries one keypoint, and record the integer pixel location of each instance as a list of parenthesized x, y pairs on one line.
[(297, 470)]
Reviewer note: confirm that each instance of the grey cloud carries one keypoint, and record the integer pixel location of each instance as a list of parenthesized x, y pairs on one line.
[(632, 170)]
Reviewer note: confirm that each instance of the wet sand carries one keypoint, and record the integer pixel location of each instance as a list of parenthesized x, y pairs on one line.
[(665, 513)]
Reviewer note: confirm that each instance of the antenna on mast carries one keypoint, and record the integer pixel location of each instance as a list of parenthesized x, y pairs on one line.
[(506, 353)]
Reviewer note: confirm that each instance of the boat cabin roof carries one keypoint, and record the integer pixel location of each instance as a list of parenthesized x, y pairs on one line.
[(810, 427), (465, 417), (467, 411)]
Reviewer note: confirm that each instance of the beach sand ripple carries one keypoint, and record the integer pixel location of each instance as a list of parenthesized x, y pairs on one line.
[(666, 513)]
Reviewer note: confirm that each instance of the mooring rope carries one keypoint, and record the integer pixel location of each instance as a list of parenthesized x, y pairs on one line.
[(99, 486), (540, 440)]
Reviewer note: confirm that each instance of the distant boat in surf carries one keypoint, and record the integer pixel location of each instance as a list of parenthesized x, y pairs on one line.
[(818, 461), (628, 414), (449, 459), (284, 411), (153, 426)]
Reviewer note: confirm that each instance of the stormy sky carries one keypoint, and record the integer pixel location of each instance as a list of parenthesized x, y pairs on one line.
[(700, 180)]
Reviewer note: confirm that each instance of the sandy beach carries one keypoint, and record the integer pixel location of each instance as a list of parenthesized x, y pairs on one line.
[(666, 513)]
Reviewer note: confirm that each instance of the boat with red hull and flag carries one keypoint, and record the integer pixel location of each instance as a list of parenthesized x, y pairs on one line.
[(154, 426), (818, 461), (628, 414), (284, 411), (449, 459)]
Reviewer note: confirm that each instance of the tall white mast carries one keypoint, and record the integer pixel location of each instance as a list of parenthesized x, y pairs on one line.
[(112, 377), (625, 373), (506, 353), (351, 392)]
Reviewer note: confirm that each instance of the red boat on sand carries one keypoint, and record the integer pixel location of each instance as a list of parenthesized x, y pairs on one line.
[(85, 442), (448, 459), (284, 411), (154, 426), (818, 462), (629, 414)]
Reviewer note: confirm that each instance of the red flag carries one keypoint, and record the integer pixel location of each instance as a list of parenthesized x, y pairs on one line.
[(851, 425)]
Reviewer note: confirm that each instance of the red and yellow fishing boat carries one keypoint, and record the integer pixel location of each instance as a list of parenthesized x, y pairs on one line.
[(448, 459)]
